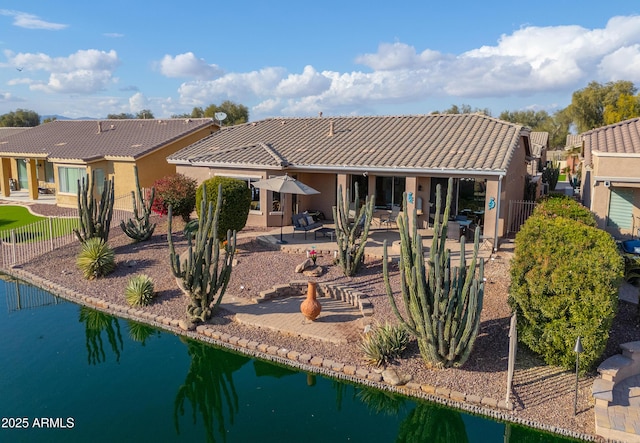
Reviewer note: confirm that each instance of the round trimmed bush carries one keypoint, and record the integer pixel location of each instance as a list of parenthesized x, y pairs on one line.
[(236, 201), (176, 190), (564, 285), (564, 206), (96, 258), (140, 290)]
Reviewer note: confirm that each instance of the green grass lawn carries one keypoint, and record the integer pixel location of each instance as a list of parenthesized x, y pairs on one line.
[(12, 217)]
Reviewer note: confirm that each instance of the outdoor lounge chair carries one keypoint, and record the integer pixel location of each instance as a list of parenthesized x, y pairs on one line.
[(391, 218), (305, 223)]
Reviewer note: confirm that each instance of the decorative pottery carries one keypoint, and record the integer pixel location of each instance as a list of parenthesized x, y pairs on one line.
[(311, 307)]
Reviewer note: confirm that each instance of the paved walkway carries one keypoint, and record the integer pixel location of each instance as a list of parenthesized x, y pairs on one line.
[(624, 411)]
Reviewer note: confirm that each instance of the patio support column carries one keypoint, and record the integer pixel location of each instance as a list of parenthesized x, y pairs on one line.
[(5, 173), (411, 188), (32, 178)]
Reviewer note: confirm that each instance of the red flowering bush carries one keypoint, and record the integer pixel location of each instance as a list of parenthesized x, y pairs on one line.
[(176, 190)]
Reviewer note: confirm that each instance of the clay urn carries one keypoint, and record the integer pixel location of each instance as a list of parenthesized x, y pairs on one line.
[(311, 307)]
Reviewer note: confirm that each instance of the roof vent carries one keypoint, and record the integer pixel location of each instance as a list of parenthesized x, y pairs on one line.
[(113, 127), (331, 132), (99, 127), (320, 114)]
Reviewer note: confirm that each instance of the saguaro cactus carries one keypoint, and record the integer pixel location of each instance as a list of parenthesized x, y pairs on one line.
[(442, 303), (139, 228), (351, 236), (95, 217), (202, 277)]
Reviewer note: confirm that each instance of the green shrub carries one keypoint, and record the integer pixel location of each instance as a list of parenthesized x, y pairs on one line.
[(236, 201), (564, 285), (565, 206), (96, 258), (384, 343), (176, 190), (139, 290)]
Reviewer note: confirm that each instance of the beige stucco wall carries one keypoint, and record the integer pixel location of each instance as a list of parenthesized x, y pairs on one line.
[(325, 183), (621, 172)]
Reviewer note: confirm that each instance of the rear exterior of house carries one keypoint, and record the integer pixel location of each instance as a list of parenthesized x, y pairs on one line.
[(611, 176), (52, 157), (385, 156)]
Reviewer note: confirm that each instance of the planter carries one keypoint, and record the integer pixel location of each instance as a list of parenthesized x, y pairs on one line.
[(311, 307)]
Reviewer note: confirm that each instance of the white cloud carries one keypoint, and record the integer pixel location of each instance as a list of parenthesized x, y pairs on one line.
[(623, 64), (309, 82), (113, 35), (138, 102), (187, 65), (84, 71), (30, 21), (392, 56)]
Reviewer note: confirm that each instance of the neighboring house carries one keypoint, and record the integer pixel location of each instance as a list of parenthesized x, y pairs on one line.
[(52, 157), (573, 152), (386, 156), (539, 148), (611, 176)]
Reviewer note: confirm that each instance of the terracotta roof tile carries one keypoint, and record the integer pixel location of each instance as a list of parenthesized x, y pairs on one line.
[(92, 139), (618, 138), (439, 141)]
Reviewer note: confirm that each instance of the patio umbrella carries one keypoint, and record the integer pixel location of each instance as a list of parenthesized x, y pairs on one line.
[(284, 185)]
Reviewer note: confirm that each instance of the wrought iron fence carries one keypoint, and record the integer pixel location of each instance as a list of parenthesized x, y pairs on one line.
[(19, 245), (519, 212)]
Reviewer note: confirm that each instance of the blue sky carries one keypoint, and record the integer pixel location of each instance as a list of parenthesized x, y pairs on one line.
[(297, 58)]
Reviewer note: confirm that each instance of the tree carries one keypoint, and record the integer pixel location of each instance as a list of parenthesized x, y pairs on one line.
[(145, 113), (464, 109), (236, 114), (20, 118), (626, 107), (530, 118), (588, 104), (121, 116)]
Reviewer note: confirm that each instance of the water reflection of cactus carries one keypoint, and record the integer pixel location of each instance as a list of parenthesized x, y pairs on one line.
[(140, 332), (381, 402), (209, 388), (95, 323), (432, 423)]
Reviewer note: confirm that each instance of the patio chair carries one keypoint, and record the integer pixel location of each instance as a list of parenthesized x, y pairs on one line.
[(391, 218)]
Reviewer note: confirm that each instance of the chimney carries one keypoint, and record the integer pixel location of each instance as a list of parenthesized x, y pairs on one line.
[(330, 134), (99, 127)]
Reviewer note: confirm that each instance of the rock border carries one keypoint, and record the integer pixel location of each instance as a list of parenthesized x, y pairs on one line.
[(314, 364)]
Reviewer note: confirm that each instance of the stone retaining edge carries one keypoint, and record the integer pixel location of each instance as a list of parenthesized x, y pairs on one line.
[(304, 362)]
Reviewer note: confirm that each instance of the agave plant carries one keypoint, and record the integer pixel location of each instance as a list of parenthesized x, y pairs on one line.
[(96, 258), (384, 343), (139, 290)]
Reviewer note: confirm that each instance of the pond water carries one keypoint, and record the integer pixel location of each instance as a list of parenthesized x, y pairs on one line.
[(69, 373)]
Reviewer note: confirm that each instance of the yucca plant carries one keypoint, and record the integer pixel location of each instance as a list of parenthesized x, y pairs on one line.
[(96, 258), (384, 343), (139, 290)]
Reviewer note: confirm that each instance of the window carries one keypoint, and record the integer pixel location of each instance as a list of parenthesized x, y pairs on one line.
[(389, 191), (69, 178), (98, 176), (255, 192)]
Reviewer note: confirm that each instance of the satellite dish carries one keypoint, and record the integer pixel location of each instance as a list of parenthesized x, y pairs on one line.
[(220, 116)]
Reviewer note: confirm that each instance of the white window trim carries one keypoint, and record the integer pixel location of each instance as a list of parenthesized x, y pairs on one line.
[(243, 177)]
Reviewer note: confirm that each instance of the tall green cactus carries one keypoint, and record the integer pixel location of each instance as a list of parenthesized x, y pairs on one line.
[(95, 217), (442, 303), (352, 235), (139, 228), (202, 276)]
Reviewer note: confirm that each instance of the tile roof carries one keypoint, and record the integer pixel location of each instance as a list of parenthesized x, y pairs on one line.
[(88, 140), (539, 141), (573, 140), (7, 131), (618, 138), (439, 141)]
